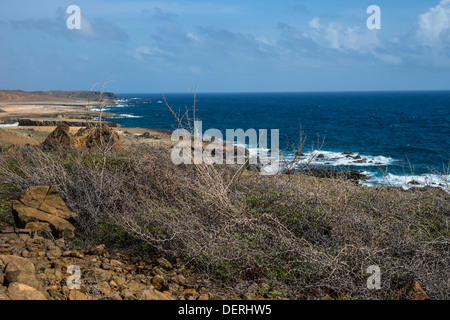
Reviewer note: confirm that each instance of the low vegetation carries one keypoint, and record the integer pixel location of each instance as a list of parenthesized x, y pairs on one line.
[(288, 236)]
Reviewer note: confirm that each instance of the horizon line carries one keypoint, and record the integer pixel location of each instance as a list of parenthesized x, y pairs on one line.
[(312, 91), (240, 92)]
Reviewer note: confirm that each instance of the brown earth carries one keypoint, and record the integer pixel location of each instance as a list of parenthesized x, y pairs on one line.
[(51, 105), (36, 268), (72, 97)]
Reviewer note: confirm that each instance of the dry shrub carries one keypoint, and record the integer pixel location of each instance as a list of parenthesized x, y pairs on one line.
[(293, 236)]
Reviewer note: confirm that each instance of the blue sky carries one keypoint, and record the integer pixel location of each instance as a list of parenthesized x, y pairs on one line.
[(225, 46)]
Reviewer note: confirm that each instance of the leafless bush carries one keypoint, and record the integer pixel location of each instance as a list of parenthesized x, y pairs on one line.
[(294, 236)]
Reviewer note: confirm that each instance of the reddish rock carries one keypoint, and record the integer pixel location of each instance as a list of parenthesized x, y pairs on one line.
[(418, 293), (20, 291), (40, 208), (60, 137)]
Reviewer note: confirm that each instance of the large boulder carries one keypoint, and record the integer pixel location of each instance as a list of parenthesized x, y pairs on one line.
[(18, 269), (95, 137), (41, 208), (151, 293), (86, 138), (20, 291), (59, 137)]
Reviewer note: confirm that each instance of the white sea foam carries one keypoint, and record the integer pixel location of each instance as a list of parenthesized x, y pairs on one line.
[(97, 109), (339, 159), (409, 181), (9, 124), (129, 116)]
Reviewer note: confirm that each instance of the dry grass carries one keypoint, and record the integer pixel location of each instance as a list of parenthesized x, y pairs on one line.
[(292, 236)]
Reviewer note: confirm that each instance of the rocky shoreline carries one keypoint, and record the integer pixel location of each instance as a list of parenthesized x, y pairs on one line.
[(51, 108), (39, 261), (35, 268)]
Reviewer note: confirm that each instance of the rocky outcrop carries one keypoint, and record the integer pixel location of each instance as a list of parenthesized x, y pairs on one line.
[(17, 269), (33, 96), (86, 138), (40, 209), (59, 137), (334, 174), (52, 123), (20, 291), (104, 274), (414, 291), (36, 266), (93, 137)]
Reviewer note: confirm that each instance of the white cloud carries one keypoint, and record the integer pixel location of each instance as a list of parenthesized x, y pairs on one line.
[(343, 38), (434, 25), (349, 39), (315, 23), (144, 51), (95, 29)]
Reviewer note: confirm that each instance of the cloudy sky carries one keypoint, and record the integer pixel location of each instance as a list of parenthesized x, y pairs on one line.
[(225, 46)]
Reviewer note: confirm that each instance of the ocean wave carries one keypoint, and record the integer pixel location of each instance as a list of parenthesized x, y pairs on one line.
[(128, 116), (408, 181), (97, 109), (9, 124), (346, 159), (340, 159)]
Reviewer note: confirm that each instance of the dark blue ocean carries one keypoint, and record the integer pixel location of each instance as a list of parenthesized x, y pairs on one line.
[(406, 132)]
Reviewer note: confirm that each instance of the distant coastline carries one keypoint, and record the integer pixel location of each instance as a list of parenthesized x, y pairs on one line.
[(50, 108)]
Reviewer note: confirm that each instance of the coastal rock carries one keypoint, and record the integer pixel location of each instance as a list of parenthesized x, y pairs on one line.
[(39, 227), (159, 283), (86, 138), (55, 123), (190, 294), (59, 137), (164, 263), (334, 174), (348, 154), (147, 135), (414, 291), (418, 293), (18, 269), (47, 199), (77, 295), (20, 291), (151, 293), (41, 207), (100, 136), (97, 250)]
